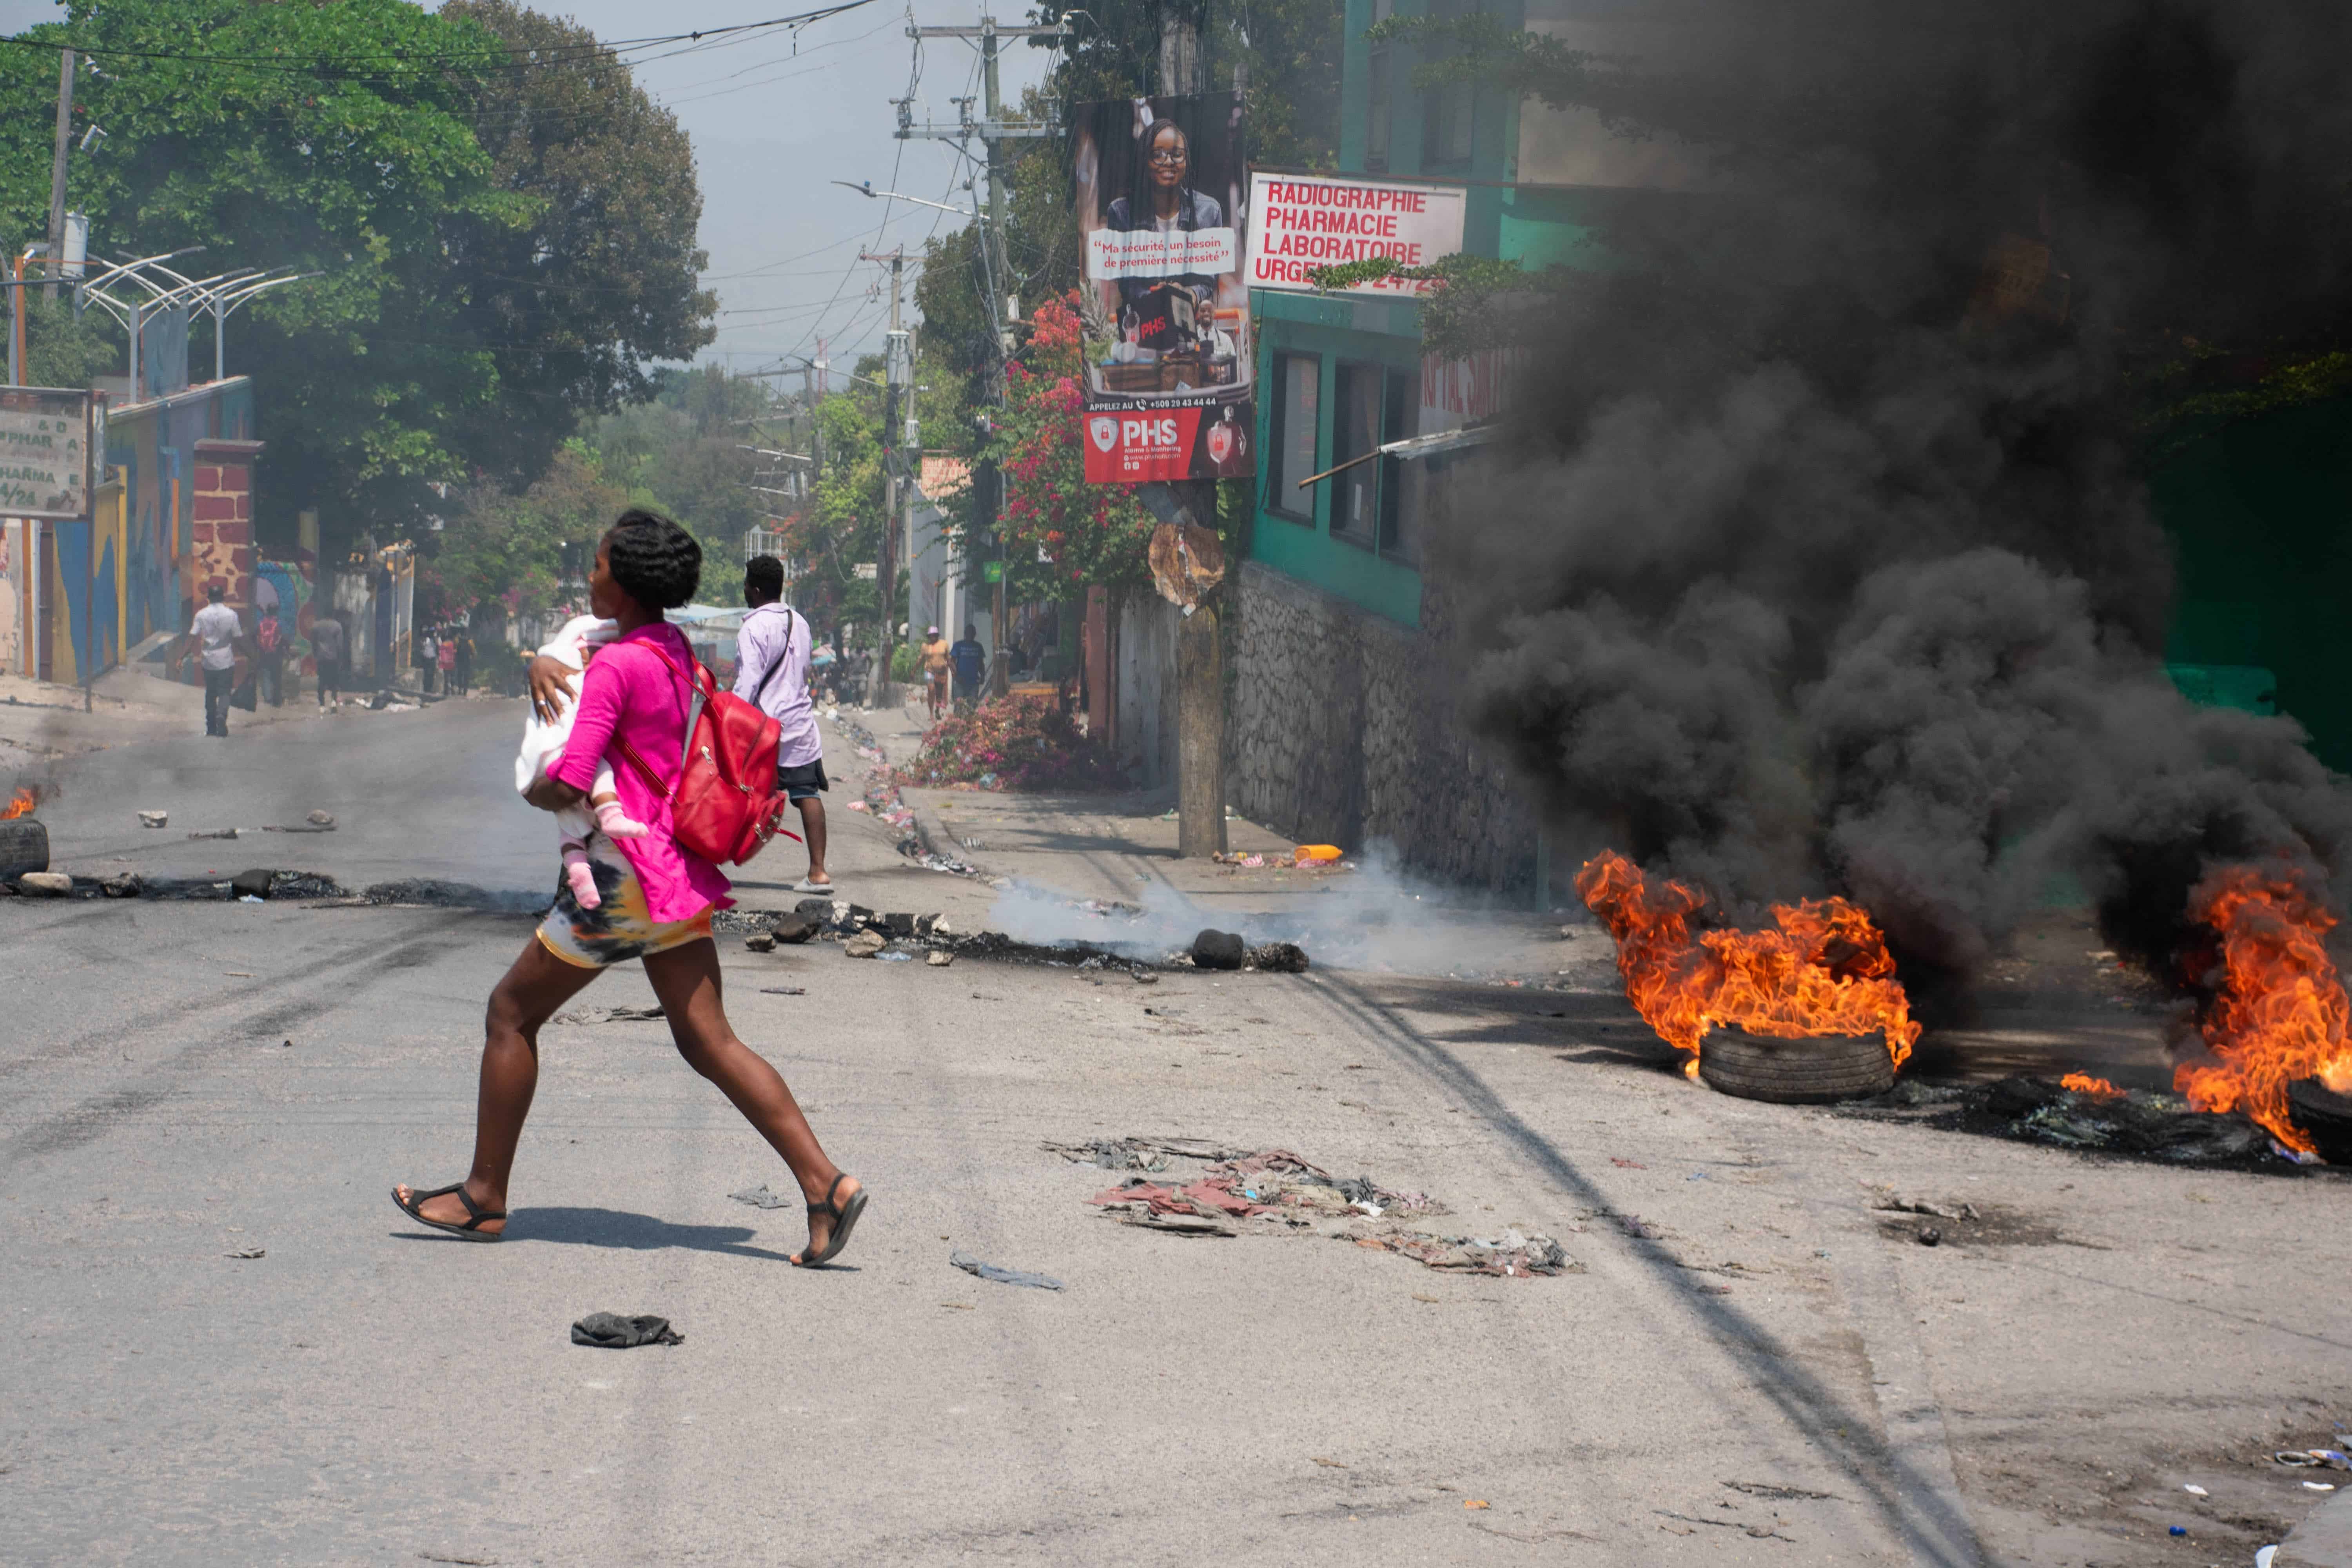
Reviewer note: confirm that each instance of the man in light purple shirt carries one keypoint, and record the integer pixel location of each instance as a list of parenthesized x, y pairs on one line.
[(771, 672)]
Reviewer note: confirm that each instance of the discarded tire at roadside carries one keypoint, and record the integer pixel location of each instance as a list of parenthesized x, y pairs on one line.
[(2324, 1114), (23, 846), (1809, 1071)]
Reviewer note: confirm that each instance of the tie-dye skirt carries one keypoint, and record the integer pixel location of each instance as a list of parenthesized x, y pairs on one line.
[(619, 929)]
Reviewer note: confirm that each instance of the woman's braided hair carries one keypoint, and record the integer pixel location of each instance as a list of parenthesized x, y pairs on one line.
[(655, 561)]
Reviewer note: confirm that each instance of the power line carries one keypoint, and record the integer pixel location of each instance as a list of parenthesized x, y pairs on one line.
[(500, 58)]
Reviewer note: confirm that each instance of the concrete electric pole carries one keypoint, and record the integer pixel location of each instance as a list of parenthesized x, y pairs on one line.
[(1199, 652), (58, 171), (879, 690)]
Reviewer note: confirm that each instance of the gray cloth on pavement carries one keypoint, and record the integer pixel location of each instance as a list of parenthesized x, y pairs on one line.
[(612, 1331), (970, 1265)]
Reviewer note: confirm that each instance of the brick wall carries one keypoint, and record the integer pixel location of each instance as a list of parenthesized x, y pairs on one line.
[(222, 519)]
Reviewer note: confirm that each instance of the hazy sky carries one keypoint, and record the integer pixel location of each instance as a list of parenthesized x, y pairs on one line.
[(771, 127)]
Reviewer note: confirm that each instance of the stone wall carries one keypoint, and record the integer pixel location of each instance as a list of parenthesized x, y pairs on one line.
[(1343, 731)]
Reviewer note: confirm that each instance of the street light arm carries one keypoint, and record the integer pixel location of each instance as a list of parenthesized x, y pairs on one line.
[(866, 189)]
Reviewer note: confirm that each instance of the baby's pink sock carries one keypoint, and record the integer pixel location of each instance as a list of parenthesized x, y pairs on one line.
[(581, 877), (616, 823)]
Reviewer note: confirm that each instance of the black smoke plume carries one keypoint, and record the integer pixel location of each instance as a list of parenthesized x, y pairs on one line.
[(1820, 557)]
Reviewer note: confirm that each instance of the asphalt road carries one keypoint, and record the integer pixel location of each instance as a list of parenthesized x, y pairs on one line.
[(1764, 1369)]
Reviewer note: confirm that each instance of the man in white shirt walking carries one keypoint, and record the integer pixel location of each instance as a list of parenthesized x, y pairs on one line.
[(771, 672), (214, 639)]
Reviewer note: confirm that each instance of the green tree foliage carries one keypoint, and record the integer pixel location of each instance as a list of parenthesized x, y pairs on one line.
[(512, 548), (343, 139), (842, 524), (601, 279)]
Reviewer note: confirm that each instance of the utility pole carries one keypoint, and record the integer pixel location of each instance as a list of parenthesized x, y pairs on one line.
[(879, 690), (1003, 304), (1199, 653), (57, 173)]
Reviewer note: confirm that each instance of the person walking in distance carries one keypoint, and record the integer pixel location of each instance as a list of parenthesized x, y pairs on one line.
[(656, 901), (212, 638), (971, 662), (463, 667), (936, 669), (447, 660), (327, 650), (269, 646), (771, 673)]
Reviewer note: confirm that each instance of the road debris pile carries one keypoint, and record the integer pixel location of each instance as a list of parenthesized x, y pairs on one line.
[(1276, 1192), (2095, 1117), (882, 801), (1018, 742)]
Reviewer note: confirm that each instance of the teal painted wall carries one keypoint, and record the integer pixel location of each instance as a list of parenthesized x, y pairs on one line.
[(2261, 520), (1375, 330)]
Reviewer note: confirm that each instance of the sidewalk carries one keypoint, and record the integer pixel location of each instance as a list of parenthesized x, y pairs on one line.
[(41, 720)]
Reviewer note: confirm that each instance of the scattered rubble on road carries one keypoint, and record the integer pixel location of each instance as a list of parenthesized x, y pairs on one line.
[(865, 945), (2134, 1122), (1244, 1193), (154, 819), (217, 832), (44, 884)]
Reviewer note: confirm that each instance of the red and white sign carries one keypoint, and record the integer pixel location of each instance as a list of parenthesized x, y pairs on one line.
[(1148, 253), (1297, 222), (1145, 444)]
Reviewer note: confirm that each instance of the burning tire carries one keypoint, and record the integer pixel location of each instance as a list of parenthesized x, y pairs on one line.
[(2324, 1114), (1809, 1071)]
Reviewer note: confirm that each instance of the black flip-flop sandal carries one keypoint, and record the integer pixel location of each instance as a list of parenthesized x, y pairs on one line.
[(845, 1220), (476, 1213)]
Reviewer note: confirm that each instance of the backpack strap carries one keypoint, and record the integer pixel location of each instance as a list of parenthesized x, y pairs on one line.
[(784, 654)]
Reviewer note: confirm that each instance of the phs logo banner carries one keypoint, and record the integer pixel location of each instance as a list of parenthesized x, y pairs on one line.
[(1142, 446)]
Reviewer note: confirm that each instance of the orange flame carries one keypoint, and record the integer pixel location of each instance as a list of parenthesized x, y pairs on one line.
[(2096, 1088), (21, 805), (1825, 970), (2280, 1012)]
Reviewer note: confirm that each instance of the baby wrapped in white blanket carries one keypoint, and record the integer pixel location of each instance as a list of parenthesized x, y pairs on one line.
[(542, 749)]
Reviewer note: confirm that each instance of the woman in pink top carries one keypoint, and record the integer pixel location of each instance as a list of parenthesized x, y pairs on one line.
[(656, 901)]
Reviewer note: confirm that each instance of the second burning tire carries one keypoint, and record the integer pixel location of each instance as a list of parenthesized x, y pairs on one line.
[(2325, 1115), (1809, 1071)]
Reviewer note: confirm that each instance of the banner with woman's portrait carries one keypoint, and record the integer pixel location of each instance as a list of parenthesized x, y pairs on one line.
[(1161, 184)]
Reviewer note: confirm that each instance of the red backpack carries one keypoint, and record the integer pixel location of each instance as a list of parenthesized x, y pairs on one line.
[(726, 806)]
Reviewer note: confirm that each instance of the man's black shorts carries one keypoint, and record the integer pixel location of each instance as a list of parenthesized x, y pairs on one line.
[(800, 783)]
